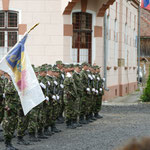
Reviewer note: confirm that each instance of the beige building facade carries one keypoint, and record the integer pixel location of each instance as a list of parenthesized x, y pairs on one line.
[(73, 31)]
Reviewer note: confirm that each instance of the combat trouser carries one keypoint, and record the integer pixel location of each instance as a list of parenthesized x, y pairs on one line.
[(9, 124), (98, 104)]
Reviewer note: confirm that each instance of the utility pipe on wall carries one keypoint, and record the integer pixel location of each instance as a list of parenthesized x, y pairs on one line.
[(105, 50)]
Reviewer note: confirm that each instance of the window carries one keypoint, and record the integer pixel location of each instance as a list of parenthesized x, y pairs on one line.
[(8, 29), (126, 14), (108, 38), (126, 42), (12, 20), (2, 39), (134, 22), (12, 38), (82, 37), (115, 42), (1, 19)]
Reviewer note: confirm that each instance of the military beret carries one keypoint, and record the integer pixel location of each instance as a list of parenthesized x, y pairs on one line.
[(49, 68), (85, 64), (71, 65), (59, 62), (55, 69), (42, 69), (76, 65), (36, 70), (66, 66)]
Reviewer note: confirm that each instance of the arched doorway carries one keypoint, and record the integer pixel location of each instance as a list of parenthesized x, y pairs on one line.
[(82, 37)]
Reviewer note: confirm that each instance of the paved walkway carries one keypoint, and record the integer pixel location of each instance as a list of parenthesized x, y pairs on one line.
[(123, 119), (131, 99)]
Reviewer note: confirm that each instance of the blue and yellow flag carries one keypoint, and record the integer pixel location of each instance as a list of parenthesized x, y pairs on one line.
[(17, 62)]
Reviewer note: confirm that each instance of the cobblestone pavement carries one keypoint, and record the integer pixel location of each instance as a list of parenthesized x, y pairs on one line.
[(120, 123)]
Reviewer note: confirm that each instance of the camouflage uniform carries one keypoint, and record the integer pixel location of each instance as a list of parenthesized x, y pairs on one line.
[(2, 84), (55, 104), (77, 80), (61, 87), (94, 96), (33, 115), (42, 109), (100, 89), (23, 122), (49, 90), (10, 113), (33, 124), (70, 95), (86, 97)]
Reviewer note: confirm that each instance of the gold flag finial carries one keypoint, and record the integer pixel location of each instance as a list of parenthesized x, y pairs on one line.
[(33, 27)]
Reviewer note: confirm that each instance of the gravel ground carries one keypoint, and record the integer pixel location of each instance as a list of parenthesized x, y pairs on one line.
[(120, 124)]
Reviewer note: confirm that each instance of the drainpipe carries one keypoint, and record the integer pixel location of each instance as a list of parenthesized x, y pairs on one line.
[(138, 49), (105, 50)]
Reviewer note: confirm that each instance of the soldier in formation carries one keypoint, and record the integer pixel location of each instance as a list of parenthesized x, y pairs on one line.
[(73, 93)]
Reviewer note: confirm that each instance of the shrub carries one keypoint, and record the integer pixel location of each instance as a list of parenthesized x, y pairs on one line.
[(146, 93)]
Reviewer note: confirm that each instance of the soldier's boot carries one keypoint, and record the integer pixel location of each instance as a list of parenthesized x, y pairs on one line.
[(1, 139), (47, 132), (69, 125), (96, 115), (76, 124), (60, 119), (9, 146), (82, 120), (33, 138), (88, 119), (54, 129), (21, 141), (92, 117), (40, 135)]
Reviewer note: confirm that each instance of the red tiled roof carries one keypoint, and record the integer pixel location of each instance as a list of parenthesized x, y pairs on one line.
[(145, 23)]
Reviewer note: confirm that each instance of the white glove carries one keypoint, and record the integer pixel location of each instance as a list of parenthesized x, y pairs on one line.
[(88, 89), (96, 91), (103, 79), (54, 97), (93, 76), (98, 78), (57, 97), (89, 76), (62, 86), (101, 89), (68, 75), (55, 82), (93, 89), (49, 83), (3, 95), (47, 98), (42, 85), (63, 76)]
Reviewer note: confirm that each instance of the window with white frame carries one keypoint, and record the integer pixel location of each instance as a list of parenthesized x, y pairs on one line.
[(108, 37), (8, 29), (115, 43), (126, 42)]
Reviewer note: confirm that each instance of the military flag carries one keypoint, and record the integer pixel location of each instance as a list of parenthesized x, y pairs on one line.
[(17, 64), (145, 4)]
